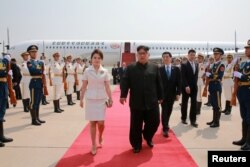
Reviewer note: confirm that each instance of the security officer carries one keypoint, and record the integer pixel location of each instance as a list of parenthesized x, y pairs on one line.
[(244, 99), (70, 79), (228, 84), (36, 85), (215, 76), (200, 82), (46, 72), (56, 69), (79, 72), (25, 82), (4, 72)]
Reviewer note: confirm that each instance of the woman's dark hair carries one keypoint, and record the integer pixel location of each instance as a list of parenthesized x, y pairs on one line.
[(97, 51), (170, 55)]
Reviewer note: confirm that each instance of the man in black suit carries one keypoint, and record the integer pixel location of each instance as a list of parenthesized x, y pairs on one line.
[(16, 78), (171, 81), (114, 74), (189, 74), (143, 81), (122, 70)]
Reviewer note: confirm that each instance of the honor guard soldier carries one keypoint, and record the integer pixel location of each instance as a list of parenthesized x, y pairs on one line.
[(244, 99), (200, 82), (215, 76), (4, 93), (46, 73), (228, 84), (79, 72), (70, 79), (25, 82), (208, 67), (56, 69), (36, 84)]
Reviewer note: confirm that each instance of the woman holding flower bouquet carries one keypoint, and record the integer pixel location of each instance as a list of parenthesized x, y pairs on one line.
[(97, 93)]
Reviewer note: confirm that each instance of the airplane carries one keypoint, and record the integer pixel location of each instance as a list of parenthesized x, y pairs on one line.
[(114, 50)]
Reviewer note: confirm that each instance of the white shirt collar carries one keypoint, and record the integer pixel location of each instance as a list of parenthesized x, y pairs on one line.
[(166, 66), (217, 62), (93, 69)]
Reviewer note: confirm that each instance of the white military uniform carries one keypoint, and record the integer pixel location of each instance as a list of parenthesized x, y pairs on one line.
[(70, 70), (228, 81), (79, 71), (25, 81), (56, 70), (200, 82)]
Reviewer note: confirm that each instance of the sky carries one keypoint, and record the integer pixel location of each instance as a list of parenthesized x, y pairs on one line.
[(167, 20)]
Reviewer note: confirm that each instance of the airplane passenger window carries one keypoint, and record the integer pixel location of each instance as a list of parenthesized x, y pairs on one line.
[(68, 43), (60, 47), (72, 43), (63, 43), (77, 47), (82, 43), (63, 47), (78, 43), (70, 47), (105, 47), (58, 43)]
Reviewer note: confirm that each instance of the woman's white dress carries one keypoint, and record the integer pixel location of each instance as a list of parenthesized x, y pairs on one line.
[(95, 95)]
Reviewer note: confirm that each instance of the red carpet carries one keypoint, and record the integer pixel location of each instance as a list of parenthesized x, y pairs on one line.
[(117, 152)]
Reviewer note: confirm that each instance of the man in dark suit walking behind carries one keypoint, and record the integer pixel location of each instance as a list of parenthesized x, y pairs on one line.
[(171, 81), (189, 75), (143, 81)]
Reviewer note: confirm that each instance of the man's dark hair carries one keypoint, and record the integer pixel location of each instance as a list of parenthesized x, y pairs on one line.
[(164, 53), (191, 51), (143, 47)]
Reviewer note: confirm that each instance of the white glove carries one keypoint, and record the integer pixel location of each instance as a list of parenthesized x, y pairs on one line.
[(208, 74), (237, 74), (7, 57), (10, 73)]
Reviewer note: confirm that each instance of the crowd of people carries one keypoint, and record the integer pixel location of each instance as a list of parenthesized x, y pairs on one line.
[(150, 86)]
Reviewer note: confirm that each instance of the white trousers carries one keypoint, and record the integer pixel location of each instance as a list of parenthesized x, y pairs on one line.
[(228, 88), (70, 88), (25, 90), (57, 92)]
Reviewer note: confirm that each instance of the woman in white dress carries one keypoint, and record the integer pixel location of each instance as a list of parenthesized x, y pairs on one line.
[(97, 93)]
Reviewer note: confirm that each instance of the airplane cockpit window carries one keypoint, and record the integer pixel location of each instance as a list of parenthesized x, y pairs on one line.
[(78, 43), (68, 43), (53, 43), (92, 43), (63, 43), (82, 43), (58, 43)]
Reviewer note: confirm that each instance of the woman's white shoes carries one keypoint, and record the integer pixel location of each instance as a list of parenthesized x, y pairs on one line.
[(93, 150)]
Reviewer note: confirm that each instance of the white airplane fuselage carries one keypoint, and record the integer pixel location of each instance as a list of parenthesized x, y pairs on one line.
[(113, 49)]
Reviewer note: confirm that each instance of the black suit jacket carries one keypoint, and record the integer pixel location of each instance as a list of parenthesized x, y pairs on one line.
[(145, 86), (17, 76), (189, 78), (171, 86)]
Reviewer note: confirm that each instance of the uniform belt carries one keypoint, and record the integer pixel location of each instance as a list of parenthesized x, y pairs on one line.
[(58, 75), (36, 77), (214, 80), (226, 77), (3, 79), (26, 74), (244, 83)]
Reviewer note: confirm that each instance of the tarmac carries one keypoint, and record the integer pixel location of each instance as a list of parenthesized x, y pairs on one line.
[(43, 146)]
